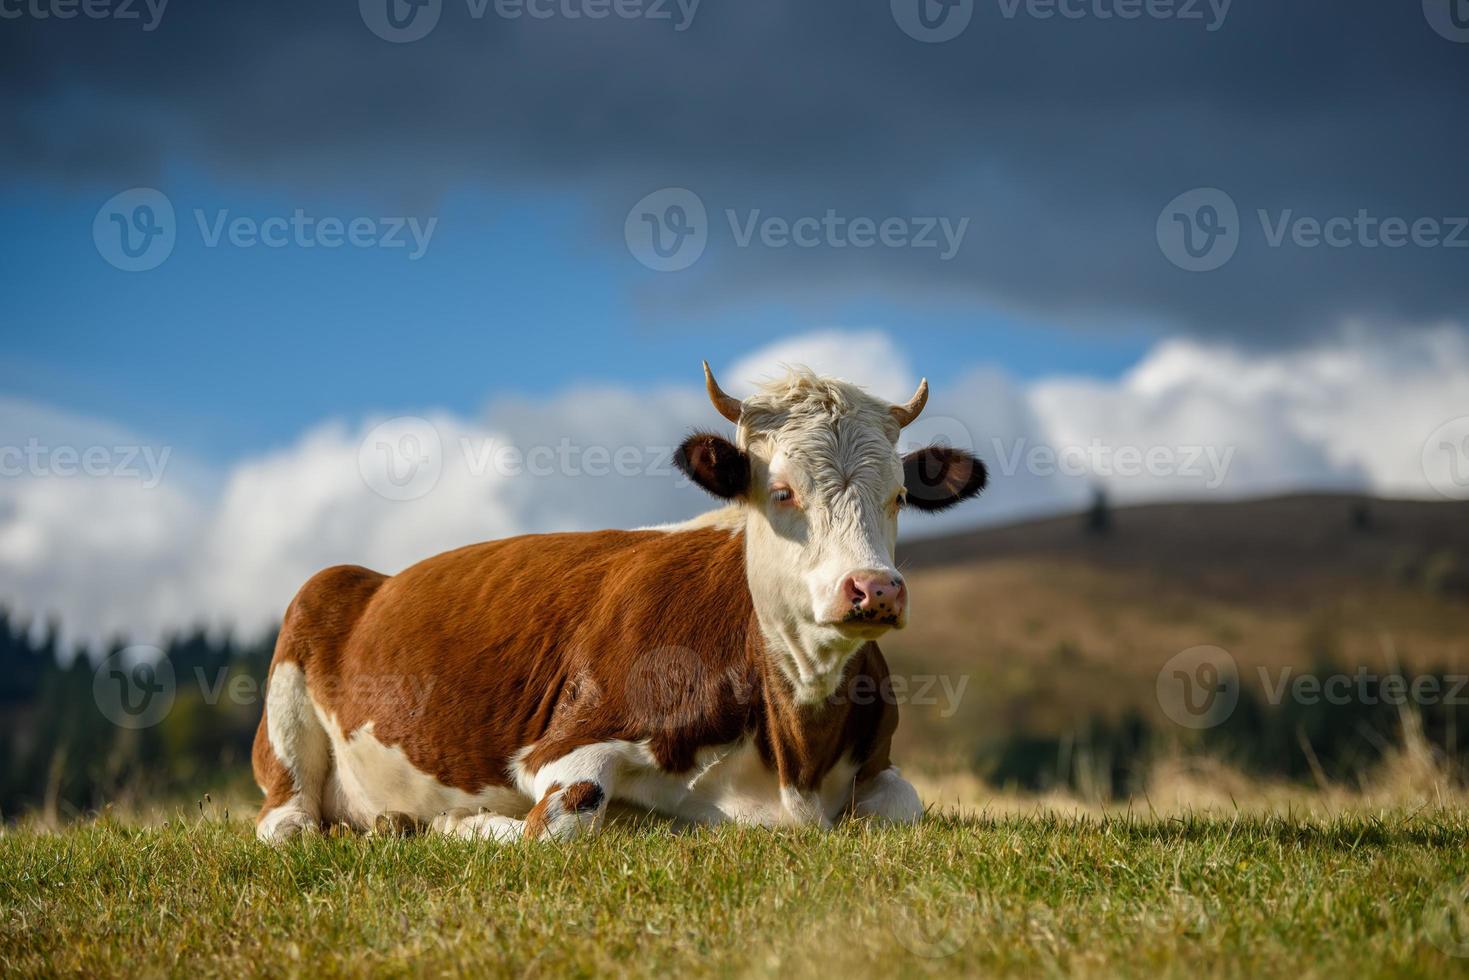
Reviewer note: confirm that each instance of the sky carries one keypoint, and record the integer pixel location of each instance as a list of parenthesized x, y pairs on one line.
[(1183, 249)]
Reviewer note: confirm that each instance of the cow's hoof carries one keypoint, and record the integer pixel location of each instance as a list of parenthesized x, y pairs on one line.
[(286, 822)]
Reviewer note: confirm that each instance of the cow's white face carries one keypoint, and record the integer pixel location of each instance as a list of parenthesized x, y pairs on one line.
[(822, 524), (819, 477)]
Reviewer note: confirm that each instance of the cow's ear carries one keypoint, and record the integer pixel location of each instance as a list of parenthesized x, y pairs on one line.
[(715, 464), (938, 477)]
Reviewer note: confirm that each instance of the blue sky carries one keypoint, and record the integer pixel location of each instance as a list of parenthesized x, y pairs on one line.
[(1084, 156), (228, 350)]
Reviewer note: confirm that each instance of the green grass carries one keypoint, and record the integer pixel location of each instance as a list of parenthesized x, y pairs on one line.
[(1353, 896)]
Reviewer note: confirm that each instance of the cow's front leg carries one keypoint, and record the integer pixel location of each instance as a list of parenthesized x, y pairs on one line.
[(479, 826), (567, 812), (803, 808), (571, 792), (888, 796), (562, 813)]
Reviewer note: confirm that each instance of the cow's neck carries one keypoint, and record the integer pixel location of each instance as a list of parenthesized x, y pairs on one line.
[(811, 659), (801, 725), (810, 663)]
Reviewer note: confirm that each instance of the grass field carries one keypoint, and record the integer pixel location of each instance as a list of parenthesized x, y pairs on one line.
[(1363, 894), (1205, 867)]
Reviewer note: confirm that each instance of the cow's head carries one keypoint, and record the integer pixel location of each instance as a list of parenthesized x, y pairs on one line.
[(815, 468)]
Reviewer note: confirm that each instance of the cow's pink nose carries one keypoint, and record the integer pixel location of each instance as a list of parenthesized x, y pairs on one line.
[(874, 595)]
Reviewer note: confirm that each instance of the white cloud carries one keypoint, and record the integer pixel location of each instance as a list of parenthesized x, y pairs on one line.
[(110, 554), (865, 357), (1353, 412)]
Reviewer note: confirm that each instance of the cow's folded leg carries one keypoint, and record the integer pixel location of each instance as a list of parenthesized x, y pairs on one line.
[(888, 796), (483, 825), (567, 812)]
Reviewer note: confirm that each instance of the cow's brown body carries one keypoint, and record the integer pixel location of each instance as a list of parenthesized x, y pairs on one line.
[(485, 664)]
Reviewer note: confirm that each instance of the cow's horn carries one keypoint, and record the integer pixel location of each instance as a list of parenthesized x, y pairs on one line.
[(728, 406), (907, 413)]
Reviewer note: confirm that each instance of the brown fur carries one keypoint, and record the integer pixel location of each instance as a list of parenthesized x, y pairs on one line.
[(539, 816), (582, 796), (558, 641)]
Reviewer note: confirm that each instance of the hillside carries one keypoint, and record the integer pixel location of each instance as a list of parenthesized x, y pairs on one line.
[(1058, 634), (1288, 541)]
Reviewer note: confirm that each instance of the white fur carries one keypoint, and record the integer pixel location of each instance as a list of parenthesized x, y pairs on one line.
[(888, 796), (835, 446), (370, 778), (478, 826), (301, 745), (730, 518), (728, 783)]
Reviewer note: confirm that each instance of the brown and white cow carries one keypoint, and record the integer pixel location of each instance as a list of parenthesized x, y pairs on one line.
[(721, 669)]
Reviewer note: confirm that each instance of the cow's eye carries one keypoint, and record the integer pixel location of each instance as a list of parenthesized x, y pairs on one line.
[(782, 495)]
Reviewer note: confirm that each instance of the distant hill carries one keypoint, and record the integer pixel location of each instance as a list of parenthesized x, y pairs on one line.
[(1059, 634), (1231, 546)]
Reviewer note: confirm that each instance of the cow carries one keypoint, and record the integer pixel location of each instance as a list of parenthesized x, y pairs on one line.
[(722, 669)]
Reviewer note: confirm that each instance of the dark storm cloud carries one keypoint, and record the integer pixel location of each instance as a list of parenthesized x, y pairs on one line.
[(1060, 139)]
